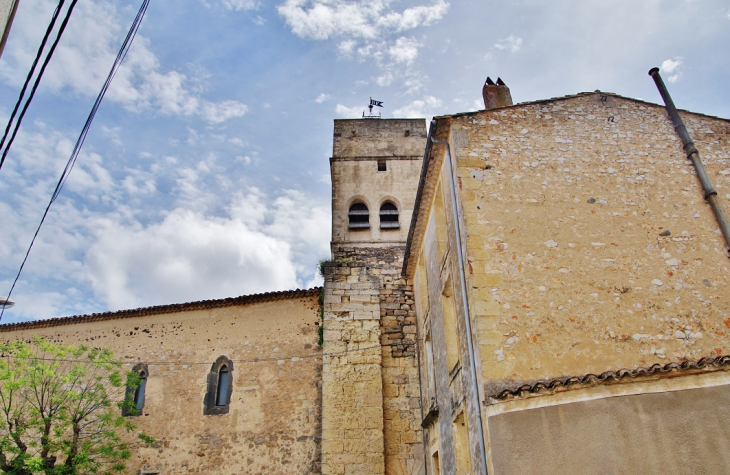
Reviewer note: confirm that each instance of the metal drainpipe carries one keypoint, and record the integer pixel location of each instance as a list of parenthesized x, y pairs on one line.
[(465, 299), (694, 155)]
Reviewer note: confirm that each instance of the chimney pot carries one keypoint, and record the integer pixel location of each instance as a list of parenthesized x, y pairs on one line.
[(496, 95)]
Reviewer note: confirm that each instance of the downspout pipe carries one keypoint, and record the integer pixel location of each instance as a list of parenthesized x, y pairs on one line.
[(465, 300), (710, 194)]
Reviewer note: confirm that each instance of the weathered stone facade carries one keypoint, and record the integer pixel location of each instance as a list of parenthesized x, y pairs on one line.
[(587, 248), (545, 285), (371, 409), (273, 423)]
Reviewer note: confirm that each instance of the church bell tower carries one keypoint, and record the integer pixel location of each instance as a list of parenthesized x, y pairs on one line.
[(370, 370), (375, 167)]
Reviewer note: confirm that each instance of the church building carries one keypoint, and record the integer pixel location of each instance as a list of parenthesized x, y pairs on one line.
[(528, 288)]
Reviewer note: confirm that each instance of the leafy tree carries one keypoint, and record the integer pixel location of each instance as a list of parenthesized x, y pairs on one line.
[(60, 409)]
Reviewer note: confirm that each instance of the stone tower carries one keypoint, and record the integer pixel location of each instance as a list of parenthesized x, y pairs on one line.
[(370, 393)]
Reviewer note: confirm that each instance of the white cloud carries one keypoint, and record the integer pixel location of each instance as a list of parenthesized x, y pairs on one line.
[(238, 5), (217, 112), (414, 84), (324, 19), (405, 50), (90, 178), (670, 65), (512, 43), (349, 112), (673, 68), (425, 107), (260, 246), (139, 183), (385, 79), (128, 255), (321, 98), (186, 257), (82, 61), (346, 47), (365, 29)]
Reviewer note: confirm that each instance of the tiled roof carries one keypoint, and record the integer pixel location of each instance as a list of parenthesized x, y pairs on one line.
[(573, 96), (162, 309), (703, 364)]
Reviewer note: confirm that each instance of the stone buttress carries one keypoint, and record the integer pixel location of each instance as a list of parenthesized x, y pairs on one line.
[(370, 397)]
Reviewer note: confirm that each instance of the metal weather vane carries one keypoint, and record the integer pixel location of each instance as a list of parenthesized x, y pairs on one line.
[(372, 104)]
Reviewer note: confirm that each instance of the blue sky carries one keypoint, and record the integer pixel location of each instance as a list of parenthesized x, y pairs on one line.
[(206, 174)]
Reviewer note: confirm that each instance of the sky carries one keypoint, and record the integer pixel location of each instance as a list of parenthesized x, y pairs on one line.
[(206, 171)]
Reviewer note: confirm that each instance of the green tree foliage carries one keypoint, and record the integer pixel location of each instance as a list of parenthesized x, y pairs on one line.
[(61, 409)]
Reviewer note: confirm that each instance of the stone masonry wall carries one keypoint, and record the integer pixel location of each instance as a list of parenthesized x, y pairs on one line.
[(358, 147), (590, 246), (369, 330), (273, 425), (352, 392)]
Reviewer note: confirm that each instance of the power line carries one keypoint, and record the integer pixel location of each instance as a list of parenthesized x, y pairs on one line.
[(61, 29), (192, 363), (85, 130)]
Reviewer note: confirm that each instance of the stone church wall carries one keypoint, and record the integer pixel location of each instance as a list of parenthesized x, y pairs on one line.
[(371, 410), (273, 423)]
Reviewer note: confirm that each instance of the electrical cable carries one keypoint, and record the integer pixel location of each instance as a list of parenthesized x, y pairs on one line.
[(192, 363), (61, 29), (131, 34)]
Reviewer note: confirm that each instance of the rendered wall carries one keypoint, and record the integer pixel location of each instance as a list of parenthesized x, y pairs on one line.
[(273, 425), (7, 13), (666, 432)]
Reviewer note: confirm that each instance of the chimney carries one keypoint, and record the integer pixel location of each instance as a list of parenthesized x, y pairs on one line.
[(496, 95)]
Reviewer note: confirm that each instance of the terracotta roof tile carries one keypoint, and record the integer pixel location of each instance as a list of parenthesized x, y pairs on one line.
[(702, 365), (162, 309)]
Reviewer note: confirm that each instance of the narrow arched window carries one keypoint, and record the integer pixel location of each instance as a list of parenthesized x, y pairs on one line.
[(359, 216), (389, 216), (220, 387), (139, 392), (221, 399), (135, 392)]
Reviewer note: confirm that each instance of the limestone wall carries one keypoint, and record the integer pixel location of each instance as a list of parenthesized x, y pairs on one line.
[(452, 435), (370, 408), (590, 246), (273, 425), (359, 147), (371, 378), (369, 138)]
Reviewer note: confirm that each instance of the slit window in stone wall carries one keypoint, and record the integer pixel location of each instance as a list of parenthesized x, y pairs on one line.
[(389, 216), (224, 380), (134, 395), (359, 216), (220, 387), (382, 167)]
